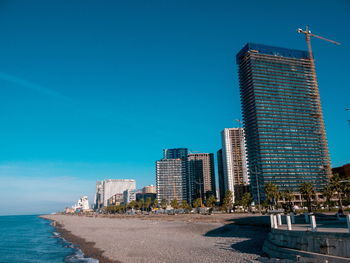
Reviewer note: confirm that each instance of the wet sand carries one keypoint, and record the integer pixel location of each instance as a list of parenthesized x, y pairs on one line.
[(179, 238)]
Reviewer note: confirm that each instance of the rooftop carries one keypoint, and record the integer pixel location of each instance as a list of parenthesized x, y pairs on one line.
[(271, 50)]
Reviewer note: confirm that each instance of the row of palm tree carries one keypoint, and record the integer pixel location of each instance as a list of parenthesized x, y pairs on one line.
[(148, 205), (336, 187), (274, 198)]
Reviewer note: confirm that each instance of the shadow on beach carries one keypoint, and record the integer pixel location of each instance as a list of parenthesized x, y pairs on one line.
[(250, 233)]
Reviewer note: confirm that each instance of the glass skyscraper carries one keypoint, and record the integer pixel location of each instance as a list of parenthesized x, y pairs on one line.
[(285, 136)]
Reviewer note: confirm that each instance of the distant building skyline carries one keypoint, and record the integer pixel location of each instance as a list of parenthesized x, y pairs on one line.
[(112, 187), (282, 121)]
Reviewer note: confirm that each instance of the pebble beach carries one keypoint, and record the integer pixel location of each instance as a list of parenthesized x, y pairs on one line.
[(185, 238)]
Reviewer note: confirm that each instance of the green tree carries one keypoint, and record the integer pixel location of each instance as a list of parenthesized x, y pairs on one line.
[(211, 201), (340, 188), (155, 203), (148, 203), (288, 196), (272, 194), (185, 205), (132, 204), (174, 204), (307, 191), (141, 204), (246, 201), (328, 193), (197, 203), (227, 202), (163, 203)]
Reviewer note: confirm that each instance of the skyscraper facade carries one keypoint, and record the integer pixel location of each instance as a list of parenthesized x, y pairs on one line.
[(221, 175), (180, 153), (282, 119), (170, 180), (201, 175), (234, 161), (175, 153)]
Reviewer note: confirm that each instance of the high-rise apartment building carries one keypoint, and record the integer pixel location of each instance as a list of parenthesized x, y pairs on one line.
[(283, 122), (180, 153), (234, 161), (171, 179), (201, 175)]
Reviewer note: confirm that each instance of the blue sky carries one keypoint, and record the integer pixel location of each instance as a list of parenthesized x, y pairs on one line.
[(92, 90)]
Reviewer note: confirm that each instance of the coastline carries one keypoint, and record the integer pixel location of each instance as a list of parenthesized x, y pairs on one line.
[(170, 238), (88, 248)]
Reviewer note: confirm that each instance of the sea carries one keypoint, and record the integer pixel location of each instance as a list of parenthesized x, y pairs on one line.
[(29, 238)]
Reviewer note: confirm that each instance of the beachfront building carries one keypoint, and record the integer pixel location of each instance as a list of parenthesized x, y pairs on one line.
[(180, 153), (129, 195), (112, 187), (149, 189), (201, 176), (234, 162), (283, 122), (171, 179), (81, 206)]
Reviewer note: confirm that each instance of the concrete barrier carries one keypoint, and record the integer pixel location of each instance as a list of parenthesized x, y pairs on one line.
[(310, 246)]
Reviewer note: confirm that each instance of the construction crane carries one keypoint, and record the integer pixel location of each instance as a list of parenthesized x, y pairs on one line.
[(308, 36), (316, 93)]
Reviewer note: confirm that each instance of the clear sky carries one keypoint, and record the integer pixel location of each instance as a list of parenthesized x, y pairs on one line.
[(93, 90)]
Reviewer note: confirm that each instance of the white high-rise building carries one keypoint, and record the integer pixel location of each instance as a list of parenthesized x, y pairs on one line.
[(234, 161), (107, 188)]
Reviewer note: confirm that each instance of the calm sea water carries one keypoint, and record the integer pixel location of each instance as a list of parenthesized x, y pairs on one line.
[(32, 239)]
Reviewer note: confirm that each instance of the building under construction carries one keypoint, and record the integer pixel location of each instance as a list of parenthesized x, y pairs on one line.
[(285, 135)]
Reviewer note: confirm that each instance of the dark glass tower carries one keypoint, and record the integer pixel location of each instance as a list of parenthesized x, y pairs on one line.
[(283, 122), (201, 175)]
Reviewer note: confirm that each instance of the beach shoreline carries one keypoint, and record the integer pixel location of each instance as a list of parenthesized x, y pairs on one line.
[(183, 238), (88, 248)]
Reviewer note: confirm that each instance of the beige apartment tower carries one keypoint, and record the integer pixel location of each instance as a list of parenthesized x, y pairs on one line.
[(234, 162)]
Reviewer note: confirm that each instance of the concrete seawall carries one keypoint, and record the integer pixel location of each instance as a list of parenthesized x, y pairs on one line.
[(306, 246)]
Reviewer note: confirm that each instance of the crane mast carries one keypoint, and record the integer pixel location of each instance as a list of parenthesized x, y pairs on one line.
[(316, 94)]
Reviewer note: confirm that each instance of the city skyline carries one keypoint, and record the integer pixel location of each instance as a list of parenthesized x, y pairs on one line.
[(93, 92)]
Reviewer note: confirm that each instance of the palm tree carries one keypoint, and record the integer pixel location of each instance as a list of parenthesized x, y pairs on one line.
[(155, 203), (328, 193), (174, 204), (211, 201), (132, 204), (227, 202), (148, 203), (185, 205), (197, 203), (272, 193), (141, 204), (307, 191), (246, 201), (287, 196), (164, 203), (339, 188)]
